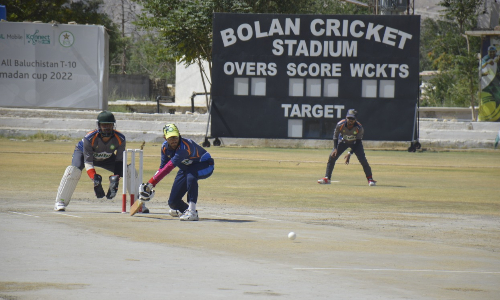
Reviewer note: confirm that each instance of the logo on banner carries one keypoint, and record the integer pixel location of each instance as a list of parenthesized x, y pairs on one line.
[(66, 39), (8, 36), (38, 39)]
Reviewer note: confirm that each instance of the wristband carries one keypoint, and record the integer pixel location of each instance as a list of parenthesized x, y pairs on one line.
[(153, 181), (91, 173)]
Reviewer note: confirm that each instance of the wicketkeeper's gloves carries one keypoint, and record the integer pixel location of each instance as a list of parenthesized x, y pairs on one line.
[(113, 186), (99, 192)]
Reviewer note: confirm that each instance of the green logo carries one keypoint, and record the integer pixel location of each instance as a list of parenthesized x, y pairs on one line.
[(38, 39), (66, 39)]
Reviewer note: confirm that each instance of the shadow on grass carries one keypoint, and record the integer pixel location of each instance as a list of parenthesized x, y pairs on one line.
[(149, 216), (169, 218)]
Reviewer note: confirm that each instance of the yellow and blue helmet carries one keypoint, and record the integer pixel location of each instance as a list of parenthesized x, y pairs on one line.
[(170, 130)]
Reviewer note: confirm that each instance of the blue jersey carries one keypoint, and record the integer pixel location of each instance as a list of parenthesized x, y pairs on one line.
[(186, 154)]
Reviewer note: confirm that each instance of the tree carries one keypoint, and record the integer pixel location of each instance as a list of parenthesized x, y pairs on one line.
[(33, 10), (339, 7), (123, 13), (447, 49), (186, 26), (463, 12), (148, 56)]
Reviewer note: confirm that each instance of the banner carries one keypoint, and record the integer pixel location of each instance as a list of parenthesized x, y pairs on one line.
[(46, 66), (295, 76), (489, 107)]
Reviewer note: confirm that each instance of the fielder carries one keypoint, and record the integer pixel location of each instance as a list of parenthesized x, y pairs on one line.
[(102, 147), (348, 134), (194, 163)]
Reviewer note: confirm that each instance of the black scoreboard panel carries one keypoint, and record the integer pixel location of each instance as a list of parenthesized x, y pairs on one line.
[(295, 76)]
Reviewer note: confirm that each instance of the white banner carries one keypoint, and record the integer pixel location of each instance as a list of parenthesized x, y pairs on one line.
[(45, 66)]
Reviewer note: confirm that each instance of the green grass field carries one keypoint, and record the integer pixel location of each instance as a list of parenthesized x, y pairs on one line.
[(422, 182)]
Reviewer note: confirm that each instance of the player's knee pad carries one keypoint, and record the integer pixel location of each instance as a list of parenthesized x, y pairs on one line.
[(68, 184)]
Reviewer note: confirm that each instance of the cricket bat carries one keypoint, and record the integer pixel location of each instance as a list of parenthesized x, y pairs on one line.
[(136, 207)]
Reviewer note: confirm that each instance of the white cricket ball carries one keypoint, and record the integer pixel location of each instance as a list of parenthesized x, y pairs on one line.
[(292, 235)]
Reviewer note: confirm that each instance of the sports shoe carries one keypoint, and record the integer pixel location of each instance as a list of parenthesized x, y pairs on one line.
[(372, 182), (324, 180), (145, 210), (175, 213), (59, 206), (189, 215)]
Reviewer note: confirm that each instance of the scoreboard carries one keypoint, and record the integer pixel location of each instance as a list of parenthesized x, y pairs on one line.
[(295, 76)]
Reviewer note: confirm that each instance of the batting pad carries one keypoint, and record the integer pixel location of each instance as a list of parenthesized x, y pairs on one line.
[(68, 184)]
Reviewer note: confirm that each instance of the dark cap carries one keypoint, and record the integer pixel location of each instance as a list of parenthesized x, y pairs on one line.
[(351, 113)]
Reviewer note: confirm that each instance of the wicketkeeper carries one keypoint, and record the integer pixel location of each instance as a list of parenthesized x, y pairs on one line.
[(102, 147), (194, 163)]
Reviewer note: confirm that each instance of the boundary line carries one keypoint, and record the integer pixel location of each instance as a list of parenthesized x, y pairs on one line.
[(18, 213), (59, 213)]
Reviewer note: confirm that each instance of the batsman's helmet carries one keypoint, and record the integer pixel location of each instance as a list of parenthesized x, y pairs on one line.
[(351, 113), (105, 117), (170, 130)]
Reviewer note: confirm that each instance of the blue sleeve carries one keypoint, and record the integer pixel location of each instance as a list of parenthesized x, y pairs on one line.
[(80, 145)]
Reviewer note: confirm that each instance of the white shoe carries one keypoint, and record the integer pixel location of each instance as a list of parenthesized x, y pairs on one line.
[(324, 180), (189, 215), (59, 206), (175, 213), (372, 182)]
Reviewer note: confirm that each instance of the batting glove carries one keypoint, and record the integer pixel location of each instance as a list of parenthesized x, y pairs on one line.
[(146, 192)]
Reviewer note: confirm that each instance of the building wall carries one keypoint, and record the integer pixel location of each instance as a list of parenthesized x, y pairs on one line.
[(188, 81)]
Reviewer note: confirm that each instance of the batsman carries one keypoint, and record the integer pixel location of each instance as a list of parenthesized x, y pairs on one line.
[(194, 163), (102, 147)]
